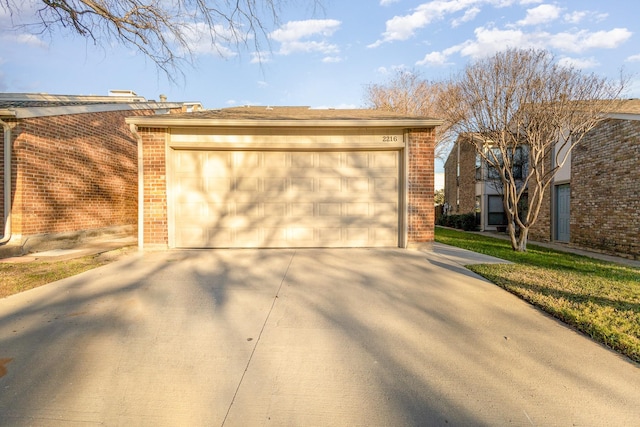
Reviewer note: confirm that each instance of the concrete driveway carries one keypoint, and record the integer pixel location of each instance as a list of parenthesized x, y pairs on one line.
[(352, 337)]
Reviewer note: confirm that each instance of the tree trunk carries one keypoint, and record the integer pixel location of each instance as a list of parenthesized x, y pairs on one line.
[(522, 240), (518, 240)]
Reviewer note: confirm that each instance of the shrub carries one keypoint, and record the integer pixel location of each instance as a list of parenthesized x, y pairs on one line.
[(465, 222)]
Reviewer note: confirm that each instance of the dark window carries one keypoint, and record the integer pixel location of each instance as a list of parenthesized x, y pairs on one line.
[(519, 160), (495, 211)]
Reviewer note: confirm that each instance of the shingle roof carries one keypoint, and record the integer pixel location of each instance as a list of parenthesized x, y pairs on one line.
[(39, 103), (295, 113), (626, 106)]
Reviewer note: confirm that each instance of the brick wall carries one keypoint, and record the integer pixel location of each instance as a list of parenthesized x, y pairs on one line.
[(465, 184), (74, 173), (156, 230), (467, 179), (542, 229), (420, 171), (450, 181), (605, 189)]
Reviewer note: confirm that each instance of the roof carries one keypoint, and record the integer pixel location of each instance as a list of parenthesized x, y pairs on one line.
[(287, 116), (24, 105), (625, 106)]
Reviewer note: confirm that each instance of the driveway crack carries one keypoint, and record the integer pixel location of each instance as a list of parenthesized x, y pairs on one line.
[(264, 324)]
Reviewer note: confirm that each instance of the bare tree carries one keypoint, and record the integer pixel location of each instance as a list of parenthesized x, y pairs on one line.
[(521, 102), (408, 93), (164, 31)]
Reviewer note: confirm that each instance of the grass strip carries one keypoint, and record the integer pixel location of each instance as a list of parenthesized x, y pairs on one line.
[(17, 277)]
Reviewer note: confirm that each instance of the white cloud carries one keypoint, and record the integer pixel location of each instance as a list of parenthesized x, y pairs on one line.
[(294, 34), (633, 58), (307, 47), (575, 17), (580, 15), (581, 63), (260, 57), (404, 27), (437, 59), (24, 39), (331, 59), (489, 41), (390, 70), (200, 40), (583, 40), (542, 14), (388, 2), (469, 15), (296, 30)]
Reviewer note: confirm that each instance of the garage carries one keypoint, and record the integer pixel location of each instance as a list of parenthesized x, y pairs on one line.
[(283, 177), (285, 199)]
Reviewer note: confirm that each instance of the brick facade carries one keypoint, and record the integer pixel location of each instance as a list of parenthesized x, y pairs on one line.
[(460, 191), (605, 189), (605, 192), (420, 171), (72, 173), (155, 220), (542, 230)]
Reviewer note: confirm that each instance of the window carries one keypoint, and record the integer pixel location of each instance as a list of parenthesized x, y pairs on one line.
[(492, 172), (519, 163), (495, 211)]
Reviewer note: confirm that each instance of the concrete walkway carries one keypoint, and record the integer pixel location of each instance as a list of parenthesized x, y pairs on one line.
[(351, 337)]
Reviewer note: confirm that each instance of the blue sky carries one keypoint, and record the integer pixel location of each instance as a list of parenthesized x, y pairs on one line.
[(326, 59)]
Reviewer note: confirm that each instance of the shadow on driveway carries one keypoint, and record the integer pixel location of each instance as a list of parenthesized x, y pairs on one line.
[(298, 337)]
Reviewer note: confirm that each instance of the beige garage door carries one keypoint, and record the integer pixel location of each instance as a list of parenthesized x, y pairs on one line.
[(284, 199)]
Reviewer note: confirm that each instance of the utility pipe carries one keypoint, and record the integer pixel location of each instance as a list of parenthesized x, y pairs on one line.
[(134, 131), (7, 183)]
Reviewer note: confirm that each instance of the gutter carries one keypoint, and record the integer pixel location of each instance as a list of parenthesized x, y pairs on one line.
[(134, 131), (7, 183), (165, 121)]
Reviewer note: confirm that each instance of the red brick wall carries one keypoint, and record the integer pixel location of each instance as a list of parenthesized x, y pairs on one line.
[(420, 171), (74, 172), (155, 189)]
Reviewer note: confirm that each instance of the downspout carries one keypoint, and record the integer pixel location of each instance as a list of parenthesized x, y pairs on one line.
[(7, 183), (134, 131)]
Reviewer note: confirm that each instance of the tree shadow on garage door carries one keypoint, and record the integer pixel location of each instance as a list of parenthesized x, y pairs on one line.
[(286, 199)]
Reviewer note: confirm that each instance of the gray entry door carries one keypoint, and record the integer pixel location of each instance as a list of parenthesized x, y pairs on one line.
[(563, 217)]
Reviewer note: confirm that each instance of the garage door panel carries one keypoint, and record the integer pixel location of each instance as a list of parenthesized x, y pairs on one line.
[(280, 199)]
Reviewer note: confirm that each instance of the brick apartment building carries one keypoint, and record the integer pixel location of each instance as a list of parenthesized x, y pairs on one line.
[(594, 200), (69, 169), (285, 177)]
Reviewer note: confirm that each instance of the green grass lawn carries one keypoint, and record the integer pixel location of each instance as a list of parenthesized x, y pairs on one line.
[(599, 298)]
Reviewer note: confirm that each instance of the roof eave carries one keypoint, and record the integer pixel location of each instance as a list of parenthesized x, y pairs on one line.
[(4, 112), (152, 121)]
